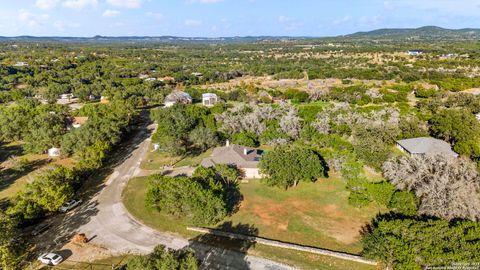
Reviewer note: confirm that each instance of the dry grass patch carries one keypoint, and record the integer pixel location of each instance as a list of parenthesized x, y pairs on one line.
[(316, 214)]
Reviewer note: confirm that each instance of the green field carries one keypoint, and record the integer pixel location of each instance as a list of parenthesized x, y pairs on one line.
[(155, 160), (315, 214)]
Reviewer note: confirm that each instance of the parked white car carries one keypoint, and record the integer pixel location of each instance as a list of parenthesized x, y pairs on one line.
[(50, 258), (69, 205)]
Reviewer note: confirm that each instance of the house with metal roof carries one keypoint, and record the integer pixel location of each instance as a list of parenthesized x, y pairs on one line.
[(425, 146), (245, 158), (177, 97)]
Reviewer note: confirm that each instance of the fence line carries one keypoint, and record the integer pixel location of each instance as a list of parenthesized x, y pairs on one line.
[(280, 244)]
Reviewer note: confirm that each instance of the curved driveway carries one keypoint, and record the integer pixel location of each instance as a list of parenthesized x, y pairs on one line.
[(109, 224)]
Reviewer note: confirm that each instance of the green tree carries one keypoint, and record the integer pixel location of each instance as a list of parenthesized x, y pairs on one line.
[(46, 193), (12, 245), (163, 258), (404, 202), (455, 125), (303, 165), (45, 131), (245, 139), (187, 198), (413, 244), (203, 138)]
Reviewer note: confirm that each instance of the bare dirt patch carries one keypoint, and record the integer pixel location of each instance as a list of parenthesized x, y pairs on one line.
[(271, 214), (85, 252)]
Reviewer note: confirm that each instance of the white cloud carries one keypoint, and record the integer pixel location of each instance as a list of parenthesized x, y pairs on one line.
[(79, 4), (284, 19), (62, 26), (157, 16), (192, 23), (445, 7), (46, 4), (31, 19), (342, 20), (125, 3), (110, 13), (371, 21)]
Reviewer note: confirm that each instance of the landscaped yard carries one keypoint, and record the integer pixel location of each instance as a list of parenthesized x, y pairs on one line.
[(155, 160), (315, 214)]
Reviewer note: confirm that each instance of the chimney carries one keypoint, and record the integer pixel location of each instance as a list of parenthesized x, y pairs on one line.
[(228, 143), (245, 151)]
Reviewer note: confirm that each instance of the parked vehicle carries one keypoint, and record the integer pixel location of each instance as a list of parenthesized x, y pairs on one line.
[(50, 258), (40, 228), (69, 205)]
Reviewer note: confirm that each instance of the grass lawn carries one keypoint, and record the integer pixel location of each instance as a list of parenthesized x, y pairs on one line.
[(12, 180), (315, 214), (134, 201), (104, 264), (155, 160), (194, 160)]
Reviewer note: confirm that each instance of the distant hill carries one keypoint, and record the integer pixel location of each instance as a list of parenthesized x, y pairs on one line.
[(149, 39), (422, 33)]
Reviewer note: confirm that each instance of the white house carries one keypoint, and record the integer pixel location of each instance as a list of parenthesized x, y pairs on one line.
[(67, 96), (54, 152), (21, 64), (415, 52), (209, 99), (177, 97)]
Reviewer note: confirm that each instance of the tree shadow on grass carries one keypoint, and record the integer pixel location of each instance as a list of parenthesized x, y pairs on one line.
[(217, 252), (233, 198), (7, 151), (10, 175)]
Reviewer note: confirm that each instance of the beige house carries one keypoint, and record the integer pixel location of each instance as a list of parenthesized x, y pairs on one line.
[(245, 158)]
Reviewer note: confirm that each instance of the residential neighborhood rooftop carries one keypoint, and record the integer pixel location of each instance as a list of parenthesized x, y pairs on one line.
[(426, 145), (177, 96), (241, 156)]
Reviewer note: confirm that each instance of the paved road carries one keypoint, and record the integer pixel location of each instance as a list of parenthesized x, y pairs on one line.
[(107, 222)]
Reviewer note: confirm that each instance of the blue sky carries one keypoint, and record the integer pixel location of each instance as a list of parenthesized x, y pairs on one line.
[(213, 18)]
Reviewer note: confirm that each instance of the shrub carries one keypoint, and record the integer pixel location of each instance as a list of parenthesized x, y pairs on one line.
[(303, 165), (413, 244), (186, 197), (245, 138), (165, 258), (404, 202)]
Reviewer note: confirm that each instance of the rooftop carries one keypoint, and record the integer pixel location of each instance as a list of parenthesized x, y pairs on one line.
[(177, 96), (426, 145), (209, 95), (241, 156)]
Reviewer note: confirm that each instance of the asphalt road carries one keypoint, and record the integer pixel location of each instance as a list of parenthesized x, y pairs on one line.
[(107, 223)]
